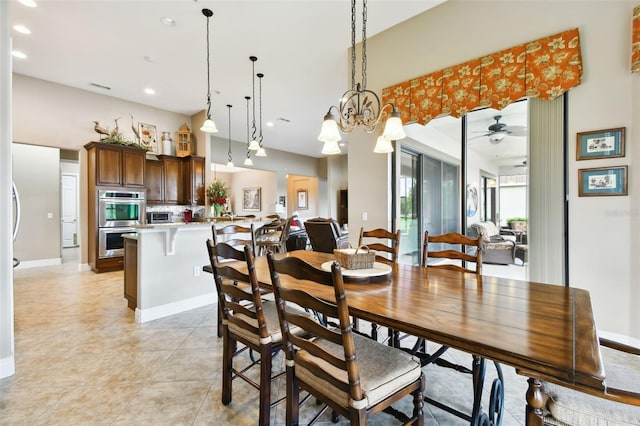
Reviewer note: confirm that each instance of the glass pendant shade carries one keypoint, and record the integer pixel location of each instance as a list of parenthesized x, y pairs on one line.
[(248, 161), (383, 146), (329, 131), (254, 145), (261, 152), (331, 148), (229, 163), (393, 129), (209, 126)]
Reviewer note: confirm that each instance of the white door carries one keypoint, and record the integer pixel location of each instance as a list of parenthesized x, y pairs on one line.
[(69, 210)]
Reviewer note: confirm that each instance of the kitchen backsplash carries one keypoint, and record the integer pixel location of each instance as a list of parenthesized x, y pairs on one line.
[(178, 211)]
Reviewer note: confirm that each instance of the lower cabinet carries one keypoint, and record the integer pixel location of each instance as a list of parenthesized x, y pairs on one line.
[(131, 272)]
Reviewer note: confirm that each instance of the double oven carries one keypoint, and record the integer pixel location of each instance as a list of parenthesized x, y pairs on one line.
[(118, 211)]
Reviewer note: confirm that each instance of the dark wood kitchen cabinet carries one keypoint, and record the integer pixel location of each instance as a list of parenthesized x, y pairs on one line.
[(154, 179), (116, 165), (131, 272), (175, 180), (193, 179)]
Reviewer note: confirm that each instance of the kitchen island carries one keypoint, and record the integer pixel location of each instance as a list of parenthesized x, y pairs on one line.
[(163, 268)]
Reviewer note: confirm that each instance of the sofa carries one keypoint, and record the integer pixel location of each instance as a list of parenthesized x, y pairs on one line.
[(498, 245)]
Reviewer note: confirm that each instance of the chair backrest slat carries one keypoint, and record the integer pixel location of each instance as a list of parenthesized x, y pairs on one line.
[(231, 235), (453, 238), (392, 248)]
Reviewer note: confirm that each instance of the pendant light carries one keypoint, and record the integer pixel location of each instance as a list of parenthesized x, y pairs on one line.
[(229, 159), (248, 161), (261, 152), (254, 145), (208, 126), (359, 106)]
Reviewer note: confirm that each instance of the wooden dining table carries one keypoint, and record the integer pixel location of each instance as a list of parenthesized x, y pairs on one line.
[(546, 332)]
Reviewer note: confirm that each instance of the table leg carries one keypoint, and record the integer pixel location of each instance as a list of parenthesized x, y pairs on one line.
[(535, 402)]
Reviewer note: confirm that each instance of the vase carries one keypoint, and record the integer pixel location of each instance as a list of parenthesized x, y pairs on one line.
[(217, 210)]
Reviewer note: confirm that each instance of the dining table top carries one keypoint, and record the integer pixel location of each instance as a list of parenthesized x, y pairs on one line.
[(542, 330)]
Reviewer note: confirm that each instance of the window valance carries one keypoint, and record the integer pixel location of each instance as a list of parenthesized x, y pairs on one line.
[(635, 42), (544, 68)]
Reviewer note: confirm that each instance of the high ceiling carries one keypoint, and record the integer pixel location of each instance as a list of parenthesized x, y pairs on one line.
[(301, 47)]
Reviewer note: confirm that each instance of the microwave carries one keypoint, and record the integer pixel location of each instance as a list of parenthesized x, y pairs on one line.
[(159, 217)]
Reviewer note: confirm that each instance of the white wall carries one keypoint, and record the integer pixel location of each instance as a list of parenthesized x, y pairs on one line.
[(39, 235), (601, 228)]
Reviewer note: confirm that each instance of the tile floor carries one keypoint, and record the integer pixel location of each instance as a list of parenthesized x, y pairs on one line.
[(82, 360)]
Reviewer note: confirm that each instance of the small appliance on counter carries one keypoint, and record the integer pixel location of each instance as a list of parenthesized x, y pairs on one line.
[(187, 216), (159, 217)]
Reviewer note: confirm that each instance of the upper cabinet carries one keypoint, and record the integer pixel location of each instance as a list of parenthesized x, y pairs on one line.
[(116, 165), (175, 180), (193, 175)]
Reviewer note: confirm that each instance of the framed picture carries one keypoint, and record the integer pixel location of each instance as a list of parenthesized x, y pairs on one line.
[(283, 200), (608, 143), (602, 181), (148, 137), (251, 199), (303, 202)]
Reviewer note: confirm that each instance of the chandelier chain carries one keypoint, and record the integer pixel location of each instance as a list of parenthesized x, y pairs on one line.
[(364, 44), (353, 44)]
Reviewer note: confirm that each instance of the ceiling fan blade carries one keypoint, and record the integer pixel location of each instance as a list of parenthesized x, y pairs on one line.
[(516, 130), (476, 137)]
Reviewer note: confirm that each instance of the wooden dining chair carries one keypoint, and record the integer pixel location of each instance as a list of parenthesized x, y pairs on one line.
[(235, 235), (390, 244), (273, 237), (247, 320), (450, 253), (381, 240), (353, 375)]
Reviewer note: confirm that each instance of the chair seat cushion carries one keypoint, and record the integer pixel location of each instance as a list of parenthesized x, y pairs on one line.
[(269, 237), (383, 370), (271, 318), (622, 371)]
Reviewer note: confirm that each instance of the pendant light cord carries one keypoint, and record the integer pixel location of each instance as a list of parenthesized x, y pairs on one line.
[(260, 75), (208, 14), (253, 81), (229, 151), (353, 45), (248, 132)]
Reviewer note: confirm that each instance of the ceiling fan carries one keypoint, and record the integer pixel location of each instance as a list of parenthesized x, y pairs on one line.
[(497, 131)]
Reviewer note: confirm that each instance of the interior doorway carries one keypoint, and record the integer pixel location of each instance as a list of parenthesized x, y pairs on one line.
[(69, 212)]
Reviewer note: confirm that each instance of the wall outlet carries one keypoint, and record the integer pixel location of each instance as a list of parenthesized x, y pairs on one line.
[(196, 271), (364, 216)]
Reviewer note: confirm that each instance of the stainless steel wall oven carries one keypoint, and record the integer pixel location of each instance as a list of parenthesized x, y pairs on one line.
[(118, 210)]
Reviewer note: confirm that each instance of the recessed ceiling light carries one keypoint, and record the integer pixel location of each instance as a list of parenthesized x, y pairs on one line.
[(149, 58), (269, 123), (149, 91), (19, 54), (169, 22), (22, 29), (28, 3)]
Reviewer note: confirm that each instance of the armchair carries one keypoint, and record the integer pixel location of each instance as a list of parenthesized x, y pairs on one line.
[(496, 246), (325, 235)]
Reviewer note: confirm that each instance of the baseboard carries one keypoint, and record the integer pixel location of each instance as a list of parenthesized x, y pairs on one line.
[(84, 267), (26, 264), (7, 366), (150, 314)]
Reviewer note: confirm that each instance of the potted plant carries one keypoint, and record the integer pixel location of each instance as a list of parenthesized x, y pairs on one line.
[(217, 194), (517, 222)]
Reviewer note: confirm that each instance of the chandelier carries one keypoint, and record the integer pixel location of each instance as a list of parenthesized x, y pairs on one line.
[(359, 106), (208, 126)]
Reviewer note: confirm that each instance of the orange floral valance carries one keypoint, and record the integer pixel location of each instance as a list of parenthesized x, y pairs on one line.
[(544, 68), (635, 41)]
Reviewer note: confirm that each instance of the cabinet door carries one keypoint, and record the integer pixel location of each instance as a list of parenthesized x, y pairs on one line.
[(194, 180), (133, 167), (173, 187), (108, 166), (154, 180)]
